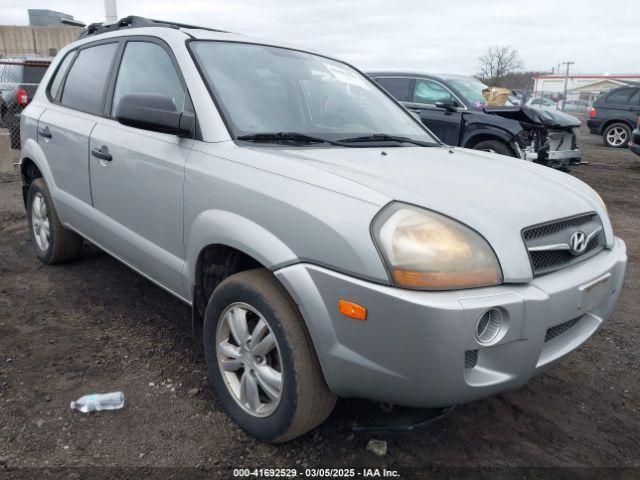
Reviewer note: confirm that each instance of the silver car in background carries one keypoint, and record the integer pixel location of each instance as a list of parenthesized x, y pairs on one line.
[(328, 243)]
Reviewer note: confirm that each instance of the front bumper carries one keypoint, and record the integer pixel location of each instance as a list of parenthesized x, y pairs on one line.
[(411, 348)]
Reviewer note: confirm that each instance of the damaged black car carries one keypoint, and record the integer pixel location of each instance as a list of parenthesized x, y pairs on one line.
[(461, 111)]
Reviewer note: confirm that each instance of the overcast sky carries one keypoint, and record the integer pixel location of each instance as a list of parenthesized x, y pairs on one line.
[(601, 36)]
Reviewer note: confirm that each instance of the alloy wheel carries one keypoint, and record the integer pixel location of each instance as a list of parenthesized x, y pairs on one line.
[(249, 359), (616, 136), (40, 222)]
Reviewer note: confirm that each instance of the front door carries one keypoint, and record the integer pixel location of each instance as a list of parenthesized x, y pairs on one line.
[(137, 175), (445, 124)]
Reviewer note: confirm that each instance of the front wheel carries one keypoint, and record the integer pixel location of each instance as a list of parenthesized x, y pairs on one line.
[(494, 146), (261, 361), (617, 135), (54, 243)]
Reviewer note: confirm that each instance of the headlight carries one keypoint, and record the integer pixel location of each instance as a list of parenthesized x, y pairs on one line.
[(425, 250)]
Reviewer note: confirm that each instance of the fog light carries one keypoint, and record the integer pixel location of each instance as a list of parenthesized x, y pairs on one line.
[(489, 325)]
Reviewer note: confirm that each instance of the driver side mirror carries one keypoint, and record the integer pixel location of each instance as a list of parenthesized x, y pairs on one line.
[(448, 106), (155, 112)]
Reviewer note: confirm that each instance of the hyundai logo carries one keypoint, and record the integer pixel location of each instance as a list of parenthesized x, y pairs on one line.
[(578, 243)]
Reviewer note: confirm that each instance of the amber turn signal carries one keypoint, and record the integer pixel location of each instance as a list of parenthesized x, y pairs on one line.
[(352, 310)]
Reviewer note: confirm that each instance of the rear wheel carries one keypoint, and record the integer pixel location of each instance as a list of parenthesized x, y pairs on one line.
[(617, 135), (261, 361), (494, 146), (54, 243)]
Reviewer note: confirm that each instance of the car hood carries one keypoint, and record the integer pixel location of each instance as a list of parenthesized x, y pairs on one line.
[(539, 116), (497, 196)]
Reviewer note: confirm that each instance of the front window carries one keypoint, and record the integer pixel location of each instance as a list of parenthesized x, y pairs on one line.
[(471, 89), (264, 89)]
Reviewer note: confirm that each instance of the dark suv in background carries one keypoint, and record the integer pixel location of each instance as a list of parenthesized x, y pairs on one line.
[(19, 80), (453, 107), (614, 115)]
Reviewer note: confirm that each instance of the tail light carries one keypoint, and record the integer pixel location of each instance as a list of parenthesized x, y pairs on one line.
[(639, 122), (22, 96), (592, 112)]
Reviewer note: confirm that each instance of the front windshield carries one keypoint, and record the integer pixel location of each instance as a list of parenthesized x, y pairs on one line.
[(471, 89), (263, 89)]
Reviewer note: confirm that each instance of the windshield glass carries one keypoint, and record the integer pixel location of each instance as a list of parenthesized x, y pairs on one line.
[(471, 89), (263, 89)]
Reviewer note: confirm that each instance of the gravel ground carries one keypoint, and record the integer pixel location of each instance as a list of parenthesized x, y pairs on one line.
[(96, 326)]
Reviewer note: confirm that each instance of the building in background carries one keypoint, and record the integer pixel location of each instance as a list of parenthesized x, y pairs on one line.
[(44, 37), (583, 86), (47, 18)]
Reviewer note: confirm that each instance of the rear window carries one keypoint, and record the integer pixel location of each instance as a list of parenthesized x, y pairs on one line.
[(33, 73), (85, 84)]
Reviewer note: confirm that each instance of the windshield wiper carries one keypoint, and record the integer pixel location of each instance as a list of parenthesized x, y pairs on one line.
[(383, 137), (294, 137)]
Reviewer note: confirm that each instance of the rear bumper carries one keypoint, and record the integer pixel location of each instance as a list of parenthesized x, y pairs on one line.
[(595, 126), (411, 348)]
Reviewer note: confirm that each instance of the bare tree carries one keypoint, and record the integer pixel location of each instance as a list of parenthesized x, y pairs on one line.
[(496, 62)]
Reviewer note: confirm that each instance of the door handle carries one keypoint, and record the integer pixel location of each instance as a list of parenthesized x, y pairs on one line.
[(102, 153), (45, 132)]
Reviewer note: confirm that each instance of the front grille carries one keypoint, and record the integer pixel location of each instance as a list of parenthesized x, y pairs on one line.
[(470, 358), (552, 228), (549, 243), (553, 332)]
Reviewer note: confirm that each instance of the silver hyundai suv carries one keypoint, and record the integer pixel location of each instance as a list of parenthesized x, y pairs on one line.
[(329, 244)]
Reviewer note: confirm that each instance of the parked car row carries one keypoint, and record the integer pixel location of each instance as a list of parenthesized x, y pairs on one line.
[(19, 80), (327, 242)]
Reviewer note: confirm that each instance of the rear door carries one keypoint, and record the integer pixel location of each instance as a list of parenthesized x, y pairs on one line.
[(634, 104), (446, 125), (138, 192), (77, 97), (619, 105)]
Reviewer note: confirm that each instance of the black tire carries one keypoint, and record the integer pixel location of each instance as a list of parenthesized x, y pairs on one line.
[(625, 130), (13, 126), (63, 245), (305, 400), (495, 146)]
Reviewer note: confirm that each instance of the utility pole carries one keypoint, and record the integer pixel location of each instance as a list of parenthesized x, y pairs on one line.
[(566, 80), (110, 11)]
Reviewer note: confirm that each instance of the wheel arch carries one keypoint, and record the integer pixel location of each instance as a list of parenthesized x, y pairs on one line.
[(221, 243), (608, 123), (493, 136)]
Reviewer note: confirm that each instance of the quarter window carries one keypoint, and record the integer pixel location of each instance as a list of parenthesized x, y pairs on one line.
[(429, 92), (620, 97), (147, 68), (85, 85), (60, 73), (635, 99), (399, 88)]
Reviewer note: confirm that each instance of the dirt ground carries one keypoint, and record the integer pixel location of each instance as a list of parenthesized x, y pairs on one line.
[(96, 326)]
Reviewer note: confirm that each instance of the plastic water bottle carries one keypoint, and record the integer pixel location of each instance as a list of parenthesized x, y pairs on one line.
[(99, 401)]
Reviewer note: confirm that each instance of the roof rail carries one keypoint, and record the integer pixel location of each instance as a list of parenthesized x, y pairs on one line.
[(135, 22)]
